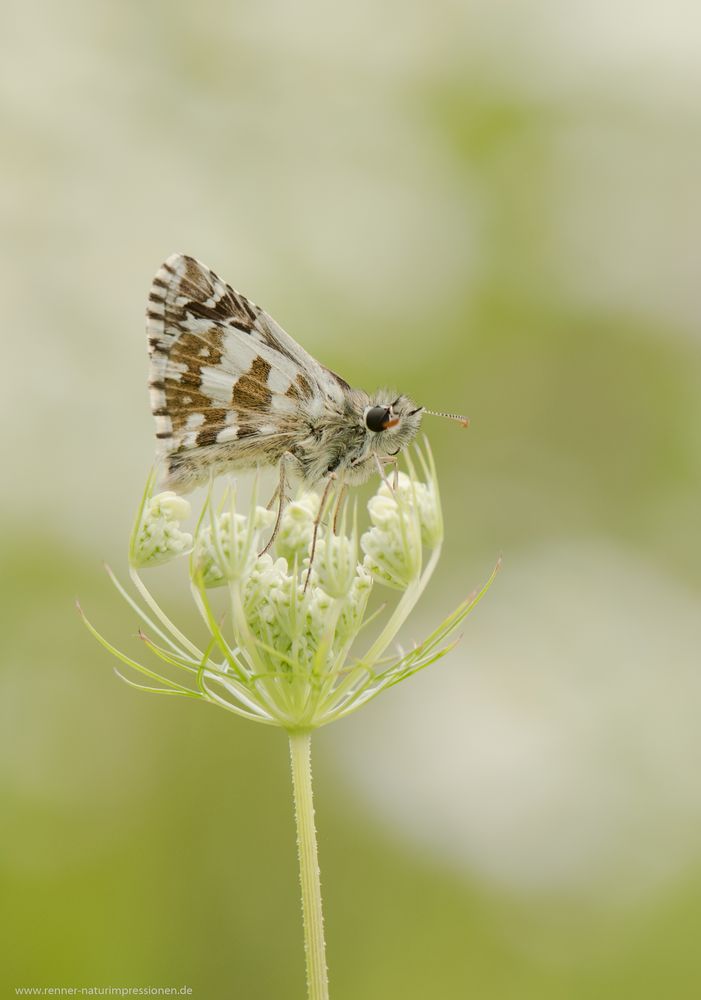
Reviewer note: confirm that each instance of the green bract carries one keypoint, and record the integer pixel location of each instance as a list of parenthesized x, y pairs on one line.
[(282, 641)]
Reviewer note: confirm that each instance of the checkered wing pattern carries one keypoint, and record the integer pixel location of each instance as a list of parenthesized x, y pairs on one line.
[(229, 388)]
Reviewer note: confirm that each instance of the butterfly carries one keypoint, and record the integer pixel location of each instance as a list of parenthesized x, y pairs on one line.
[(230, 390)]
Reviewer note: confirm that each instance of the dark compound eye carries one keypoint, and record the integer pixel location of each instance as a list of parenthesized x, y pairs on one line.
[(376, 418)]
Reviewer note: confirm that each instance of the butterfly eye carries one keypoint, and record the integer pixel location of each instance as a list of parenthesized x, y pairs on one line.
[(376, 418)]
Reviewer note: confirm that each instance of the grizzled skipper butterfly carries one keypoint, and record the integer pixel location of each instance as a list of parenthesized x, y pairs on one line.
[(231, 390)]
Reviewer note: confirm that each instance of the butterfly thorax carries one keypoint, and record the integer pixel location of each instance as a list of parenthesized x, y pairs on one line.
[(339, 441)]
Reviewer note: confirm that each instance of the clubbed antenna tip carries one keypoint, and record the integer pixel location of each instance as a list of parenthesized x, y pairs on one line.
[(464, 421)]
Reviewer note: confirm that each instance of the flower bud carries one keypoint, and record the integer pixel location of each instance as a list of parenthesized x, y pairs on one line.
[(227, 548), (424, 498), (157, 537), (297, 528), (335, 563), (353, 612), (392, 546)]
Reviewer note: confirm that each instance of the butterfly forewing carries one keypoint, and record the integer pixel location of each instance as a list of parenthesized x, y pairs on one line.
[(227, 383), (231, 390)]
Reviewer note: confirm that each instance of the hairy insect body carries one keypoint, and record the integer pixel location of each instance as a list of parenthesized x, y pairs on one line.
[(231, 390)]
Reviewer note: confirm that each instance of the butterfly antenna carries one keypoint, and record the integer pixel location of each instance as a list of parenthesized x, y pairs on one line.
[(465, 421)]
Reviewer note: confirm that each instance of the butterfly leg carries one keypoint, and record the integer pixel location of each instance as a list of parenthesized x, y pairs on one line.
[(342, 494), (281, 495), (381, 464), (383, 477), (317, 522)]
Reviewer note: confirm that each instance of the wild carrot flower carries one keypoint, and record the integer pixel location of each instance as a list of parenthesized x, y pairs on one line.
[(285, 650)]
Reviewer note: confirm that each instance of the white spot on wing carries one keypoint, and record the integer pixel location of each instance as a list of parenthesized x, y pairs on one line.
[(239, 353), (282, 404), (227, 434), (175, 370), (278, 381), (194, 420), (217, 384), (195, 324)]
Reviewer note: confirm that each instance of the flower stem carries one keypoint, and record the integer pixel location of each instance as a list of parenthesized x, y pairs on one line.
[(314, 946)]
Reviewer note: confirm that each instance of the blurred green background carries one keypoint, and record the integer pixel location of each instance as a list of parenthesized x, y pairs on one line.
[(496, 208)]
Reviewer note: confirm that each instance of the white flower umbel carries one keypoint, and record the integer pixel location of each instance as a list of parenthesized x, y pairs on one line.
[(156, 537), (281, 640)]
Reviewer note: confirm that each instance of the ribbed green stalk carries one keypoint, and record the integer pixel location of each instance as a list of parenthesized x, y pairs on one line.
[(314, 946)]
